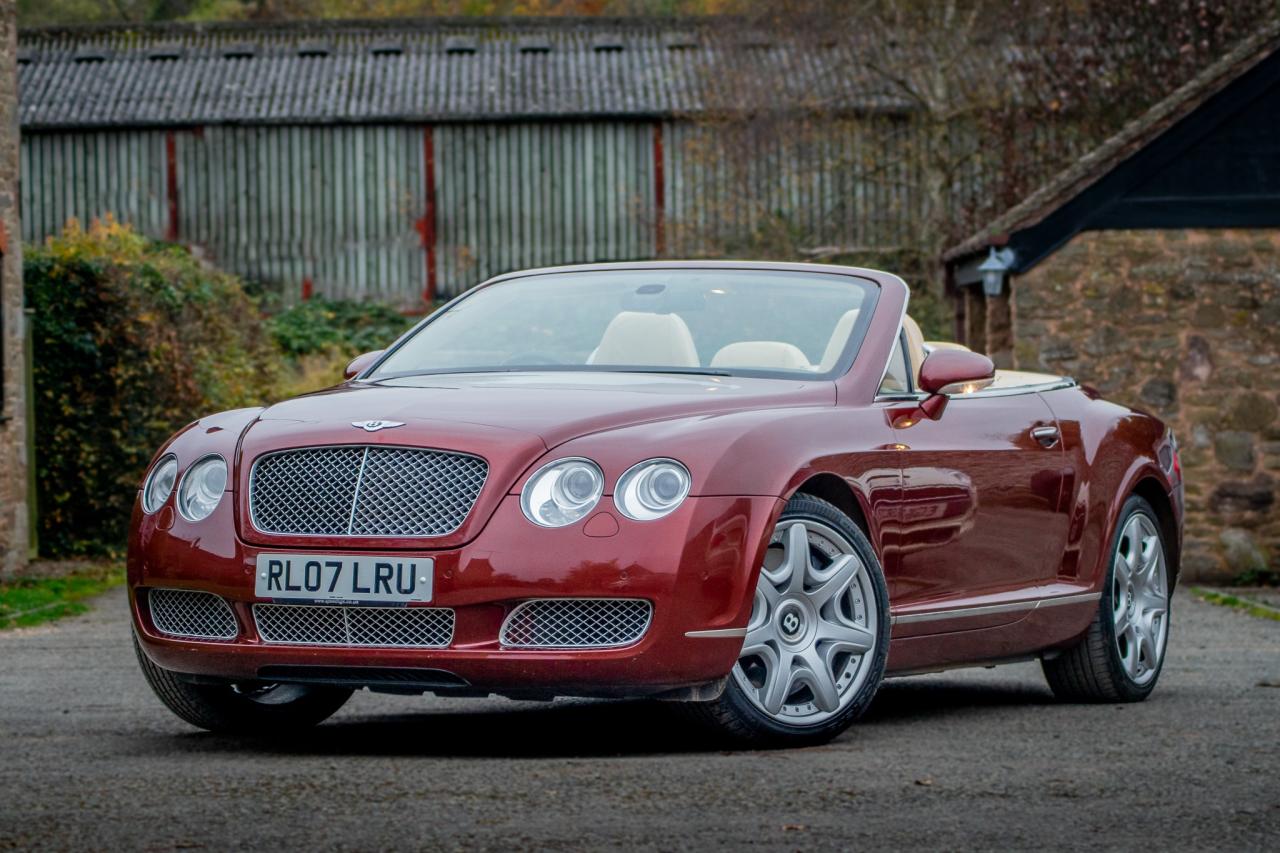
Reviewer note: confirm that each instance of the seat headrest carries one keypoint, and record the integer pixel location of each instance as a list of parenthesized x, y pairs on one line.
[(635, 337), (768, 355), (839, 337)]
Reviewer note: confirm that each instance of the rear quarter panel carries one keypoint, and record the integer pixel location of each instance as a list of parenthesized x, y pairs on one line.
[(1110, 451)]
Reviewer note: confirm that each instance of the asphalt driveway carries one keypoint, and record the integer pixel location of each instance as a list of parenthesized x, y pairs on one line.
[(968, 759)]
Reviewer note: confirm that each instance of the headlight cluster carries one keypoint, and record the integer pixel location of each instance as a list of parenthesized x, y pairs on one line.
[(199, 493), (202, 488), (565, 491), (562, 492), (160, 484), (652, 489)]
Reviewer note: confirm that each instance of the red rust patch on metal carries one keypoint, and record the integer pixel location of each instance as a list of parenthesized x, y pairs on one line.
[(426, 226), (659, 193), (171, 182)]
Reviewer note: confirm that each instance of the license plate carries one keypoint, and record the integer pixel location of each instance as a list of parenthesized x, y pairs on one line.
[(363, 579)]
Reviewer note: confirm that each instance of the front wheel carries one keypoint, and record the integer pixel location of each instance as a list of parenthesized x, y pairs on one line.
[(252, 708), (818, 638), (1120, 657)]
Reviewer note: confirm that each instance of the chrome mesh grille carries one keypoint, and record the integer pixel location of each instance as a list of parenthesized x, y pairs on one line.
[(576, 623), (188, 613), (364, 491), (319, 625)]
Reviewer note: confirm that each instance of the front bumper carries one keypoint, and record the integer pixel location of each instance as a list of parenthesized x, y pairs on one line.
[(697, 567)]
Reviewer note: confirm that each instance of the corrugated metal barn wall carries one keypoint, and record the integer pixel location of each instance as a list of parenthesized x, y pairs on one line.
[(511, 196), (336, 206), (351, 211)]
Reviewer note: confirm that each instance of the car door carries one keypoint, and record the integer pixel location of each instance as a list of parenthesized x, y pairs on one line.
[(980, 520)]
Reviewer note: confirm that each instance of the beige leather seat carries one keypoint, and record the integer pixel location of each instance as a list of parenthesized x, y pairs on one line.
[(839, 337), (639, 338), (768, 355), (915, 347)]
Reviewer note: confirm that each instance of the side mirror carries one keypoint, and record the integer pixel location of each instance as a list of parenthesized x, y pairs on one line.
[(360, 363), (947, 371)]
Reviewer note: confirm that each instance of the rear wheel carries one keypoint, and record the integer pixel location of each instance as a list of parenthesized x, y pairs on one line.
[(818, 638), (251, 708), (1120, 657)]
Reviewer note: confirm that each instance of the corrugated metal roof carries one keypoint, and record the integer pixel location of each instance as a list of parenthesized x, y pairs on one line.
[(424, 71)]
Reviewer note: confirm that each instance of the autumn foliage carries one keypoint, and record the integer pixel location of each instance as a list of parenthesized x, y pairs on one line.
[(132, 339)]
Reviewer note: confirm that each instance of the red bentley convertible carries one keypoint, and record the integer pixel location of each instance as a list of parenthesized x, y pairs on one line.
[(752, 488)]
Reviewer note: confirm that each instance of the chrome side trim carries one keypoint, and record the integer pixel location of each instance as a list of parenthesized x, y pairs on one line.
[(1012, 391), (1015, 390), (717, 633), (988, 609), (903, 397), (1080, 598)]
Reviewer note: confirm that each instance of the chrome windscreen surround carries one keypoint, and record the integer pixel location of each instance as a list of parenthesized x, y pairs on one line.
[(192, 614), (327, 625), (576, 623), (364, 491)]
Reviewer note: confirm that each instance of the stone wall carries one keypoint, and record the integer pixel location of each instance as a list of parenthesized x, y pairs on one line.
[(1184, 324), (13, 488)]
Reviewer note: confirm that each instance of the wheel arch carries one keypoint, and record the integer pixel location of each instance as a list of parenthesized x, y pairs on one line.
[(836, 491), (1150, 490)]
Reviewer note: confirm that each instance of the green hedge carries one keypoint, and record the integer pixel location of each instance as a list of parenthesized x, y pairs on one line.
[(132, 339), (324, 325)]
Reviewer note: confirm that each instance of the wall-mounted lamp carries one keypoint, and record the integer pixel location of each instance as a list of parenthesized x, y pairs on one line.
[(993, 270)]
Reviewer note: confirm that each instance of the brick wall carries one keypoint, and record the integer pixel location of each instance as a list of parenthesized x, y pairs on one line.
[(13, 505), (1184, 324)]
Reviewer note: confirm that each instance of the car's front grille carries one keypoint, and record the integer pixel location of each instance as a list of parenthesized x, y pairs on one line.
[(193, 614), (364, 491), (576, 623), (321, 625)]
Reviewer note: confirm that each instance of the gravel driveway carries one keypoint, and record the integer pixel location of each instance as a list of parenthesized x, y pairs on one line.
[(968, 759)]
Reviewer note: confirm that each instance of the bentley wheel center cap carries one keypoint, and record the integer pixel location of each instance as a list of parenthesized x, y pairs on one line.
[(791, 622)]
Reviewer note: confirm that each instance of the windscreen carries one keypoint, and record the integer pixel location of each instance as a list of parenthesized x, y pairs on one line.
[(770, 322)]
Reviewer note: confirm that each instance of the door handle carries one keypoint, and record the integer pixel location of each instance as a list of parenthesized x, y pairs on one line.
[(1046, 435)]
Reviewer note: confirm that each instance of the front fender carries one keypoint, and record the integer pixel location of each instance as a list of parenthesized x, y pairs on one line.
[(760, 453), (218, 434)]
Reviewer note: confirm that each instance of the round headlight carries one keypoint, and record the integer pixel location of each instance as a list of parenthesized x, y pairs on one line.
[(202, 488), (652, 489), (159, 484), (562, 492)]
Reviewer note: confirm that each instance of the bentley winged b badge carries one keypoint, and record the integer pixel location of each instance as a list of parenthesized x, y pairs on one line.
[(374, 426)]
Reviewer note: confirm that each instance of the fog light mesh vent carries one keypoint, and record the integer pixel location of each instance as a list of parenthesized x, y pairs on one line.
[(576, 623), (188, 613)]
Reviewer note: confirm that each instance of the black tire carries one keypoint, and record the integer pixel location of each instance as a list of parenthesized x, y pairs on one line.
[(222, 708), (735, 718), (1092, 670)]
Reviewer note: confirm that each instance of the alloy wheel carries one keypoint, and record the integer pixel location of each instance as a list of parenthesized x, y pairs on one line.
[(1140, 599), (812, 633)]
